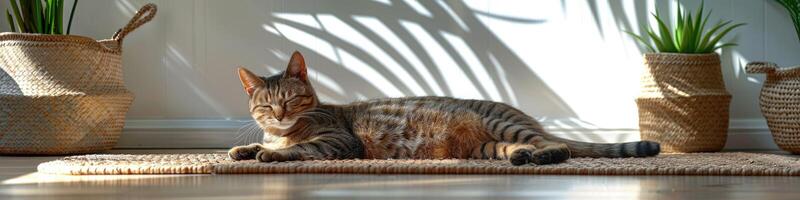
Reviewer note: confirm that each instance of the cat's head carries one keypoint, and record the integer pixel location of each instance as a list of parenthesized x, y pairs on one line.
[(277, 101)]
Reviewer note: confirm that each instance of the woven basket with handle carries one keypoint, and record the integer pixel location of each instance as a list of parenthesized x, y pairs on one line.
[(780, 103), (683, 104), (63, 94)]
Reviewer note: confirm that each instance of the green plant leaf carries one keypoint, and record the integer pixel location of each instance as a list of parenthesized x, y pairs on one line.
[(687, 36), (37, 16), (701, 33), (10, 21), (71, 13), (723, 46), (656, 40), (26, 8), (20, 21), (56, 19), (60, 17), (47, 14), (53, 7), (719, 36), (38, 20), (698, 24), (793, 7), (705, 42), (679, 28), (667, 44), (642, 41)]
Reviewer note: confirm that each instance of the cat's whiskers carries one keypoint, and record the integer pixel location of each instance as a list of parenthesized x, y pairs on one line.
[(248, 133)]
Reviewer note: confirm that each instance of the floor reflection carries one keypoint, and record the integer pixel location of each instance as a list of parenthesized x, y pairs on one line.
[(312, 186)]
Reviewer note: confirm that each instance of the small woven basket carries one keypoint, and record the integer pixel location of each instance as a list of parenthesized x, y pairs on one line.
[(683, 104), (63, 94), (780, 103)]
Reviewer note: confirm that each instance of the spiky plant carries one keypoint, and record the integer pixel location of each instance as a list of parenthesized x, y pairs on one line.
[(37, 16), (689, 34), (793, 6)]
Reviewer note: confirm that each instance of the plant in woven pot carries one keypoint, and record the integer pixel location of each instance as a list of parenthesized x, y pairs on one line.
[(780, 95), (60, 94), (683, 102)]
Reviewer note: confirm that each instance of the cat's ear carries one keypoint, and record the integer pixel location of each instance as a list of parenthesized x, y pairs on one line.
[(296, 68), (250, 81)]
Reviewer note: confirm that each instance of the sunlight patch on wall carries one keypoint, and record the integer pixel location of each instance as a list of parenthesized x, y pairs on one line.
[(309, 41), (739, 62), (357, 66), (271, 29), (173, 59), (304, 19), (419, 8), (326, 81), (385, 2), (126, 7), (460, 86), (630, 11), (174, 54), (279, 54), (453, 15), (504, 79), (347, 33), (397, 44), (574, 59), (611, 27), (474, 65)]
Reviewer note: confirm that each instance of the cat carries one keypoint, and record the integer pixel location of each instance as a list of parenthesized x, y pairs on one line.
[(298, 126)]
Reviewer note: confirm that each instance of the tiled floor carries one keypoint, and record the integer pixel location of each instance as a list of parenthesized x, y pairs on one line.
[(18, 180)]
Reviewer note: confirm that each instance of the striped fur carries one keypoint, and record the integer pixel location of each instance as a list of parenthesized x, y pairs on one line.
[(299, 127)]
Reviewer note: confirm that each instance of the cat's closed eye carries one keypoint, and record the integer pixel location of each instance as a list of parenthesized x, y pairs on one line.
[(298, 102), (264, 108)]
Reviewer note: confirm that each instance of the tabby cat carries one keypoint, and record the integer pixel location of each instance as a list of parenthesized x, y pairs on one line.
[(298, 126)]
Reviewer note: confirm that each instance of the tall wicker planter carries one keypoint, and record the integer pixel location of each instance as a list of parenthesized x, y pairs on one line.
[(683, 103), (63, 94), (780, 103)]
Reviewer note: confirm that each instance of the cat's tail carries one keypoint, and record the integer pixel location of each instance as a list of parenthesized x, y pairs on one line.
[(611, 150)]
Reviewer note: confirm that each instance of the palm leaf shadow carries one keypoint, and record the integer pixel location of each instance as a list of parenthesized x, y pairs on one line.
[(502, 64)]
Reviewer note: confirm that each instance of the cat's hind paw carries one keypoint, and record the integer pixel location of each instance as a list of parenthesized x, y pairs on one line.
[(550, 156), (521, 157)]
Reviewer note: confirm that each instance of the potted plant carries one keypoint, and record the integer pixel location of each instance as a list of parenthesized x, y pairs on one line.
[(780, 99), (683, 102), (60, 94)]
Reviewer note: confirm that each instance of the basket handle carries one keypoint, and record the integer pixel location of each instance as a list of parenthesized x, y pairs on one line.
[(144, 15), (761, 67)]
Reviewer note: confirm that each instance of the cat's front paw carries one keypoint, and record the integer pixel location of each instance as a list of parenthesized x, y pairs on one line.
[(266, 155), (243, 152)]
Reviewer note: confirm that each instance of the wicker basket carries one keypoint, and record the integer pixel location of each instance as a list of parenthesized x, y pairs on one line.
[(780, 103), (63, 94), (683, 103)]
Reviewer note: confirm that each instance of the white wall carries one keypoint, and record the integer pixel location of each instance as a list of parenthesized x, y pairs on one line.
[(565, 61)]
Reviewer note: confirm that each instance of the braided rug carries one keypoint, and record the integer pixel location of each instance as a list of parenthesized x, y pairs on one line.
[(725, 164)]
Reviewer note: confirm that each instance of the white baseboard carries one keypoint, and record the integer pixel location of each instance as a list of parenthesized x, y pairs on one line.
[(744, 134)]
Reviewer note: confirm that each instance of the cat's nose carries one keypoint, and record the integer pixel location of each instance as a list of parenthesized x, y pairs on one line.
[(278, 113)]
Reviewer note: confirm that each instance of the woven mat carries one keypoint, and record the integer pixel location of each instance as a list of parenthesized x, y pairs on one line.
[(732, 164)]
